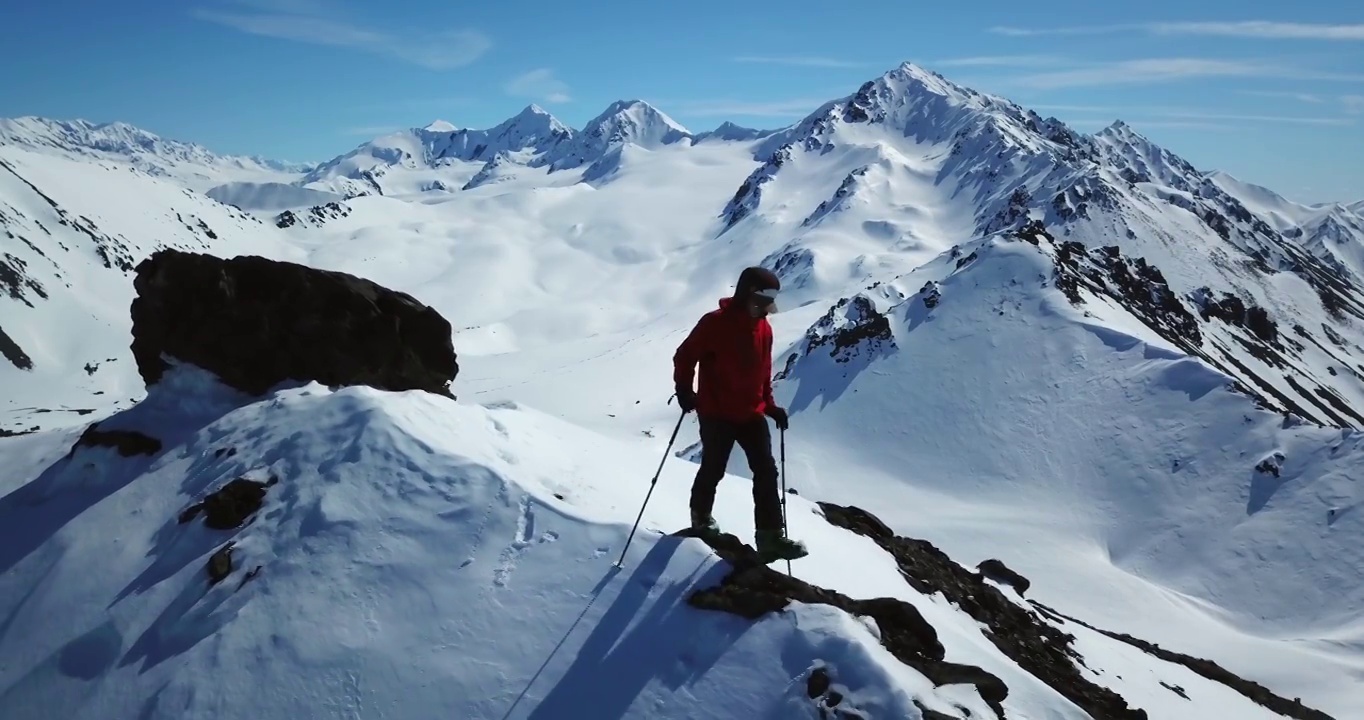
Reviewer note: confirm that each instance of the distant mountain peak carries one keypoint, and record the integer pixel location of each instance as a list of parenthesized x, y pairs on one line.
[(126, 144), (636, 113), (440, 126)]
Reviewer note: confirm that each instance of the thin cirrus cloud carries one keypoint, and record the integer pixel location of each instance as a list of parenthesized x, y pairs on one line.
[(316, 22), (1246, 29), (1158, 70), (1183, 117), (539, 84), (999, 61), (742, 108), (798, 61)]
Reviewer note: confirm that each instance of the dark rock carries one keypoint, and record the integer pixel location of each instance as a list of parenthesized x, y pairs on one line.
[(752, 590), (932, 714), (13, 353), (230, 506), (126, 442), (999, 572), (256, 323), (1271, 464), (1037, 646), (818, 683), (1259, 322), (930, 292), (860, 327), (1257, 693), (220, 564)]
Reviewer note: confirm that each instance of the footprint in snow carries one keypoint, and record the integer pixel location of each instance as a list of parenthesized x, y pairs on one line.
[(525, 532)]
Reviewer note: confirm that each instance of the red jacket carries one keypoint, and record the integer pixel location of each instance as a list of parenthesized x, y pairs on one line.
[(734, 350)]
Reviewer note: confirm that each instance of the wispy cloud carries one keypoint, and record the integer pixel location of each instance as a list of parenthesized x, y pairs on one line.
[(742, 108), (799, 61), (1354, 104), (1159, 70), (1097, 124), (316, 22), (1246, 29), (539, 84), (1309, 98), (1253, 118), (1185, 117), (998, 61), (371, 131)]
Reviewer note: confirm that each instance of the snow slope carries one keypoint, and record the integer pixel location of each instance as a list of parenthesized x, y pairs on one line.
[(397, 578), (1157, 459), (74, 232), (123, 145), (1333, 232)]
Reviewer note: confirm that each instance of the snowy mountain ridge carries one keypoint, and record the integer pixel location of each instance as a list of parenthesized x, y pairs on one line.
[(442, 155), (117, 142), (912, 138)]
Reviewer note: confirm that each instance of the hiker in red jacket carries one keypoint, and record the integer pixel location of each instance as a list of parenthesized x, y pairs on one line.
[(733, 345)]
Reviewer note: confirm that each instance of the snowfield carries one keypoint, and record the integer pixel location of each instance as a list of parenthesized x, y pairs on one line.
[(1138, 384), (400, 556)]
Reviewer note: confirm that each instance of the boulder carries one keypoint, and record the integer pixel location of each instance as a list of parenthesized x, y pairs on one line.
[(256, 323)]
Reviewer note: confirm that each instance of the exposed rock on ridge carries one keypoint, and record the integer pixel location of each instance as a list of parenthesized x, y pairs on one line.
[(256, 323)]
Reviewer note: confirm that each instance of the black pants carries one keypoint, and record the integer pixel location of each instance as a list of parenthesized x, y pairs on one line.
[(717, 440)]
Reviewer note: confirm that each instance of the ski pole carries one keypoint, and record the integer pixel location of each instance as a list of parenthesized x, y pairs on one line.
[(620, 562), (783, 495)]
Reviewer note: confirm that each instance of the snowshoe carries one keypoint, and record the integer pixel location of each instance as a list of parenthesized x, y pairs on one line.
[(772, 546)]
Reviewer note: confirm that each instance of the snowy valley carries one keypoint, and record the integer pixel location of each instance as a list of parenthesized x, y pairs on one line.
[(1137, 384)]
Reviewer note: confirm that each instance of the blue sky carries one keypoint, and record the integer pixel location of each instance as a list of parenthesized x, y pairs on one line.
[(1272, 92)]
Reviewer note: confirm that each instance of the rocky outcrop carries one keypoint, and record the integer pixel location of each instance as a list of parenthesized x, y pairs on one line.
[(126, 442), (256, 323), (1027, 639), (995, 569), (13, 353), (1257, 693), (752, 590), (231, 505), (315, 216)]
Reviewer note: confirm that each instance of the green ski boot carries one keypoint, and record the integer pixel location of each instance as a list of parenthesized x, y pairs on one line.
[(772, 547)]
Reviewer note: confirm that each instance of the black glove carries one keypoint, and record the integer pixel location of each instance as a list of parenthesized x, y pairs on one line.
[(686, 399), (779, 416)]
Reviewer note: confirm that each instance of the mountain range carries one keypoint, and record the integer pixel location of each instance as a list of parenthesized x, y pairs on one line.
[(1138, 383)]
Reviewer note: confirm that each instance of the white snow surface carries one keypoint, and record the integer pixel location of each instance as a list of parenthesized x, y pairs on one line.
[(424, 555)]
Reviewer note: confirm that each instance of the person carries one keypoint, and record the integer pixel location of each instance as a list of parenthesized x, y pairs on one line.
[(733, 401)]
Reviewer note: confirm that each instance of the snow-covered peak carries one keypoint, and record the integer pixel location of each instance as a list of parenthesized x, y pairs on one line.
[(624, 122), (732, 132), (1141, 160), (119, 142), (1331, 231), (440, 126), (636, 122), (432, 150), (912, 77), (529, 126)]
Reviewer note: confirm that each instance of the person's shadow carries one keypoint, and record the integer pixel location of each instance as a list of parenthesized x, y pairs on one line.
[(670, 642)]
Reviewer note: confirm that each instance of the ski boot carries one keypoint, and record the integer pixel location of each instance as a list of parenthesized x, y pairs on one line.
[(704, 526), (772, 546)]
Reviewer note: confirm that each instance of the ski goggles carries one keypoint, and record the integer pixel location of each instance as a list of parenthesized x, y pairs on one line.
[(767, 297)]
